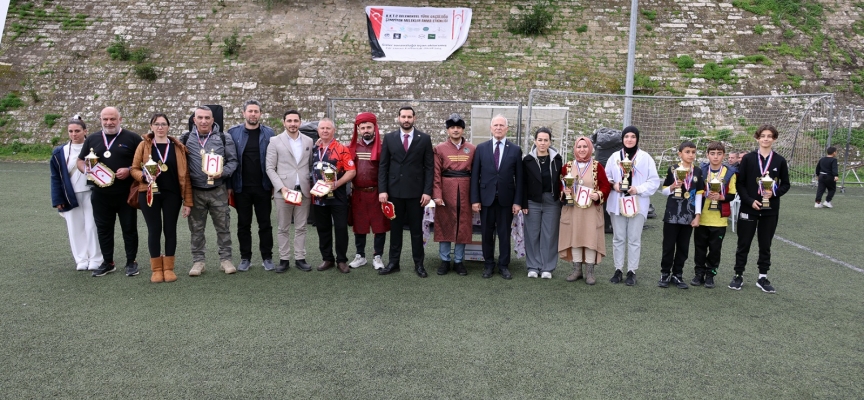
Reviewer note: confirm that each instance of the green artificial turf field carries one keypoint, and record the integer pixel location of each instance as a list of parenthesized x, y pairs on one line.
[(327, 335)]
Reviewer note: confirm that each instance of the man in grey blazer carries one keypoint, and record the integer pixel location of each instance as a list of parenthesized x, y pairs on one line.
[(289, 162)]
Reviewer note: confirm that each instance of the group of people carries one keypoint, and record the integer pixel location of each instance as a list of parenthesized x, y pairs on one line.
[(393, 178)]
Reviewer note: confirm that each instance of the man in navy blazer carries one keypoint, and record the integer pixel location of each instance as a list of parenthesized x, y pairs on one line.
[(496, 193), (250, 186), (405, 179)]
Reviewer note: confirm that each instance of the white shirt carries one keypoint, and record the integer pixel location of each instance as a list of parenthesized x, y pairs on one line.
[(297, 151), (79, 181), (410, 136), (501, 150)]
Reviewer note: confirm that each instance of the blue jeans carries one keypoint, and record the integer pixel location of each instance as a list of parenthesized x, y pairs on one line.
[(444, 251)]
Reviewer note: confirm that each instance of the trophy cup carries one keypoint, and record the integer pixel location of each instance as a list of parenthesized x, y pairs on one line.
[(681, 175), (152, 169), (626, 166), (329, 176), (767, 184), (90, 162), (211, 164), (714, 186), (568, 182)]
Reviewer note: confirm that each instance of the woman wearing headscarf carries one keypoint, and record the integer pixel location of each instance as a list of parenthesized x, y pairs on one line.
[(175, 191), (70, 195), (541, 205), (642, 182), (582, 240)]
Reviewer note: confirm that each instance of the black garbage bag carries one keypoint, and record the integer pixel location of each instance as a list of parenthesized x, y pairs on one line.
[(606, 142), (310, 128)]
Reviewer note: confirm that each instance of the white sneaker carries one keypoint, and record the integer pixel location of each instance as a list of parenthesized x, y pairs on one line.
[(817, 205), (546, 275), (358, 261), (532, 274), (827, 204), (377, 262)]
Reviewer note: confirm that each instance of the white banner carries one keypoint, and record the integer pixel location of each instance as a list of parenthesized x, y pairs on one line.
[(416, 33)]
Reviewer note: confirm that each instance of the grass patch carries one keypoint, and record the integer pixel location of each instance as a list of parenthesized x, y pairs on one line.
[(231, 45), (649, 14), (757, 59), (32, 16), (717, 73), (51, 119), (534, 23), (684, 62), (582, 28), (806, 15), (146, 71), (758, 29), (223, 335)]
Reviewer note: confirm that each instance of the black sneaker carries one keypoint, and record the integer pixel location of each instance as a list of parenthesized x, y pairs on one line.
[(698, 280), (736, 283), (664, 280), (104, 269), (132, 268), (631, 278), (678, 281), (765, 285), (617, 277), (444, 268), (709, 281)]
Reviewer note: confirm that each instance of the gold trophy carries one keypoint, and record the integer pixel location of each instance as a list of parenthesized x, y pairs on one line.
[(568, 181), (714, 186), (681, 174), (90, 162), (329, 176), (767, 184), (626, 166), (211, 164), (152, 168)]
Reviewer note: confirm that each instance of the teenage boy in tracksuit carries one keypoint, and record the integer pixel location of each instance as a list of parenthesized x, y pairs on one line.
[(754, 219), (708, 236), (827, 176)]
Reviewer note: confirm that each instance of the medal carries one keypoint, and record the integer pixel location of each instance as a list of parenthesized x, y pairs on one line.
[(580, 182), (203, 152), (107, 153), (163, 167), (686, 195), (163, 158)]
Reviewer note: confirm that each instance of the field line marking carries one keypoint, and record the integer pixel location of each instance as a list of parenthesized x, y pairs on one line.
[(829, 258)]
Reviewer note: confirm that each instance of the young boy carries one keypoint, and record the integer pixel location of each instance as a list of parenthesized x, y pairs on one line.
[(681, 216), (753, 218), (826, 174), (708, 236)]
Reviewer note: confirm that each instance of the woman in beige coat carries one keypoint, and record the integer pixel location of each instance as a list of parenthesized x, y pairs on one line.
[(581, 238)]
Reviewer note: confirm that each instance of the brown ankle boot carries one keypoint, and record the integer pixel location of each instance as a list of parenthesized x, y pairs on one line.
[(168, 268), (589, 274), (577, 272), (156, 267)]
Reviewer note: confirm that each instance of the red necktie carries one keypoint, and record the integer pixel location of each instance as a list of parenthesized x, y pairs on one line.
[(497, 154), (405, 142)]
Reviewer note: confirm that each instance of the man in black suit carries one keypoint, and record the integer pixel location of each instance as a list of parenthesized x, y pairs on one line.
[(405, 179), (496, 193)]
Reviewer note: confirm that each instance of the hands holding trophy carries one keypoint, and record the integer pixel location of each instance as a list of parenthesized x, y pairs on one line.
[(714, 186), (681, 176), (626, 166), (90, 162), (211, 164), (568, 182), (767, 187), (330, 177), (151, 169)]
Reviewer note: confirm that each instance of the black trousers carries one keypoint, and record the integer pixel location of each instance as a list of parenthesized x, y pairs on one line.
[(107, 208), (707, 243), (763, 227), (328, 219), (826, 182), (496, 220), (377, 244), (676, 248), (261, 201), (407, 211), (160, 217)]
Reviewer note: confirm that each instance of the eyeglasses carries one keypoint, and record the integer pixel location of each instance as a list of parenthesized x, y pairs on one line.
[(159, 125)]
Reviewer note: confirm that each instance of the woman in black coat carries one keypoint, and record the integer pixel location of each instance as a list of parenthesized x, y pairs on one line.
[(541, 205)]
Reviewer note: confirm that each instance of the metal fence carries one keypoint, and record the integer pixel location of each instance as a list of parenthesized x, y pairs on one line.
[(430, 115), (805, 122), (848, 138)]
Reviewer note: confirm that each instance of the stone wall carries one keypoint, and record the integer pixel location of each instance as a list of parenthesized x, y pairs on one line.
[(299, 53)]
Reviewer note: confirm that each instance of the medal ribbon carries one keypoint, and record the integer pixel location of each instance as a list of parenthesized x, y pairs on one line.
[(105, 140), (200, 143), (722, 185), (764, 170), (688, 180), (580, 171), (167, 150)]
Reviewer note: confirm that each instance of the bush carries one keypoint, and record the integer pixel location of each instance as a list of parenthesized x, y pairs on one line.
[(582, 29), (51, 119), (757, 59), (119, 49), (718, 73), (684, 62), (140, 55), (10, 102), (537, 22), (758, 29), (146, 71), (649, 14), (232, 45)]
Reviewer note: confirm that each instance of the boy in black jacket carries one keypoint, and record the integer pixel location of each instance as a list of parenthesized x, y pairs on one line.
[(827, 175), (681, 216), (754, 218)]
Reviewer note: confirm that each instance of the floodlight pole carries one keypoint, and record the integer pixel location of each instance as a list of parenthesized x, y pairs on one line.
[(631, 64)]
